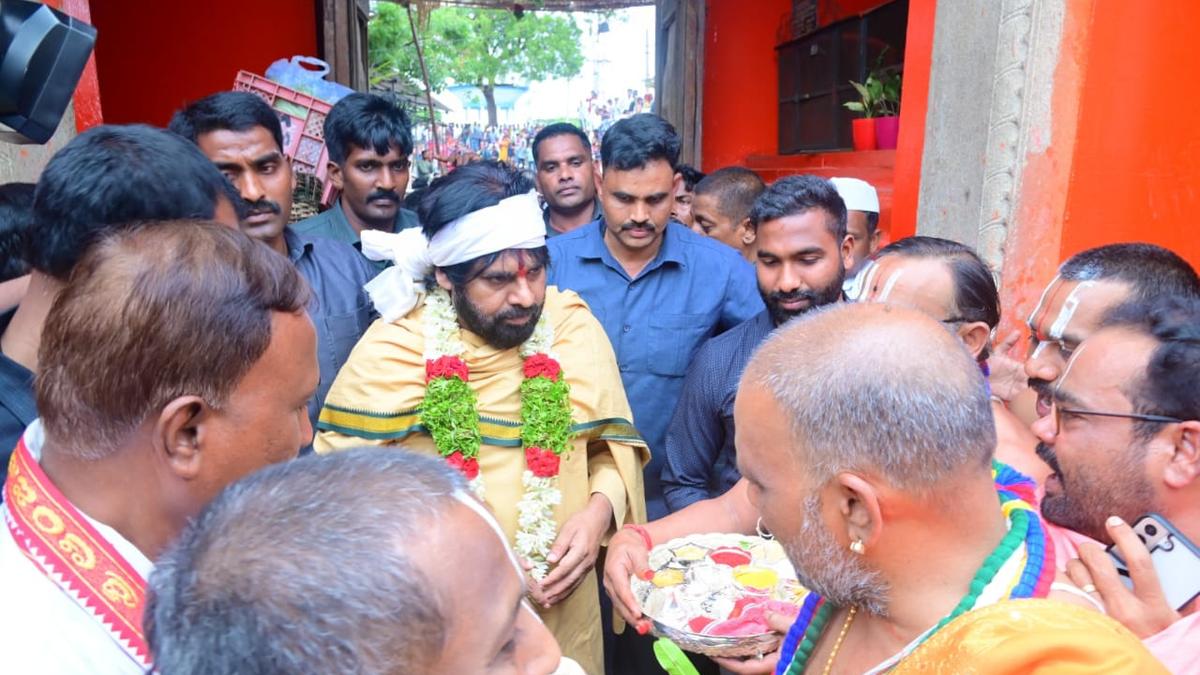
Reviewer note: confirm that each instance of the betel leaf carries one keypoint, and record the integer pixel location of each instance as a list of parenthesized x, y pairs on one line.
[(672, 658)]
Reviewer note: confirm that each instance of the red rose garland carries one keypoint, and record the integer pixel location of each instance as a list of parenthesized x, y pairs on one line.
[(449, 413)]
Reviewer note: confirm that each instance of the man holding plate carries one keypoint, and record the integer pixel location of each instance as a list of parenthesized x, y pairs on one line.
[(512, 382), (920, 552)]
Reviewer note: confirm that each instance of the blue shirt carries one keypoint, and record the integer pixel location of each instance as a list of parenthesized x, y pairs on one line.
[(693, 289), (18, 406), (340, 309), (701, 461)]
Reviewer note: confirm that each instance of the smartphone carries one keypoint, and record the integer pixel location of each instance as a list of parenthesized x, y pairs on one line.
[(1176, 560)]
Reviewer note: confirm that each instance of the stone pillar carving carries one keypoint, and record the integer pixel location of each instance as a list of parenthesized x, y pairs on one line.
[(1019, 122), (989, 107)]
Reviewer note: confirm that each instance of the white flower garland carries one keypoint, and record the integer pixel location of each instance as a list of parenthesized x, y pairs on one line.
[(536, 526)]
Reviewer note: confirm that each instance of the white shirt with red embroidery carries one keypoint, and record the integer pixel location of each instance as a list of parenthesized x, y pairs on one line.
[(42, 629)]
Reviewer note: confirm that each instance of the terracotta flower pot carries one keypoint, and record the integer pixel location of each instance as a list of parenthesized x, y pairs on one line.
[(863, 130), (887, 130)]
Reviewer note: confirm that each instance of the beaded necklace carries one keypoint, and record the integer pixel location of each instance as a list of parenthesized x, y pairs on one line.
[(1025, 537)]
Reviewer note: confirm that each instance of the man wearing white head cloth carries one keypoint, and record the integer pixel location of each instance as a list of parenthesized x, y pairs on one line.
[(511, 381), (862, 226)]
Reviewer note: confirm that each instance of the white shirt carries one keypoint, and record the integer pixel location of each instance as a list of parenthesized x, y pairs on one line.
[(42, 629)]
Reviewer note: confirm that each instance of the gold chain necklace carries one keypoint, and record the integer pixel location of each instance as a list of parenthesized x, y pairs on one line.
[(838, 643)]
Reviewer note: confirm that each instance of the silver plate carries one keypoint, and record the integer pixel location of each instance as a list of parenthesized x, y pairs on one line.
[(732, 647)]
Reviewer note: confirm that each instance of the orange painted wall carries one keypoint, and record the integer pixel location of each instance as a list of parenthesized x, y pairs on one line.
[(1136, 168), (155, 56), (918, 60), (741, 80)]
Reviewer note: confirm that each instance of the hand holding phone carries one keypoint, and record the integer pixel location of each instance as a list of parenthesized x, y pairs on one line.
[(1144, 608), (1176, 560)]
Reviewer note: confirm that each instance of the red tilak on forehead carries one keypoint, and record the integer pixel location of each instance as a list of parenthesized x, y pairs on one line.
[(521, 269)]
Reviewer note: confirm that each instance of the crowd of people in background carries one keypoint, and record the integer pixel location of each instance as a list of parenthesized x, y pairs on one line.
[(238, 443), (461, 143)]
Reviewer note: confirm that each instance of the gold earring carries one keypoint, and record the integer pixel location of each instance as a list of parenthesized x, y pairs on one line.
[(857, 546)]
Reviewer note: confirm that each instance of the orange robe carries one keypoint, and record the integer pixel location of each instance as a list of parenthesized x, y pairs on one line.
[(376, 400), (1031, 636)]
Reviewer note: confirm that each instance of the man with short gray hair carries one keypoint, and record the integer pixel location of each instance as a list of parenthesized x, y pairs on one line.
[(895, 526), (367, 561)]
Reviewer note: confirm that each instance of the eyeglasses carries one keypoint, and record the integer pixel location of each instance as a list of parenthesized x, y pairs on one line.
[(1059, 411)]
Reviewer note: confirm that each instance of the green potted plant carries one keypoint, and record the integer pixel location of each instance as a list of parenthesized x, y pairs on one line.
[(863, 128), (879, 103)]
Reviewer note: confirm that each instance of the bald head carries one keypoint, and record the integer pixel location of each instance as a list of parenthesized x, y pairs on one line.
[(876, 388)]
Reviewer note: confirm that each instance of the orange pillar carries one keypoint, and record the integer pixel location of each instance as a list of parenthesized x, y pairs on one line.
[(1121, 162), (1136, 169), (918, 60)]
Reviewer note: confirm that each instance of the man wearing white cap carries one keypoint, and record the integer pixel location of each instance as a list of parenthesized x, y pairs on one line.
[(862, 223), (511, 381)]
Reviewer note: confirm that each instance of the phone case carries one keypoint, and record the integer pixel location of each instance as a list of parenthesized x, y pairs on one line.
[(1176, 560)]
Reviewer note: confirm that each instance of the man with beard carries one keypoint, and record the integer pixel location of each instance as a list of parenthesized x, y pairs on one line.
[(511, 381), (944, 280), (240, 133), (659, 289), (369, 140), (895, 527), (800, 226), (1123, 439), (566, 177), (1088, 285)]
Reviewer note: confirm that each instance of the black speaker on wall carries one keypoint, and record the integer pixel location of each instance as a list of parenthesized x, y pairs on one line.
[(42, 55)]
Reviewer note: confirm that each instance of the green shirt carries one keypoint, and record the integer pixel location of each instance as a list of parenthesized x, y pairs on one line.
[(332, 224)]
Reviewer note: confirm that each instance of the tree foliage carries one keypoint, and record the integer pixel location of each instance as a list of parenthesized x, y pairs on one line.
[(483, 47)]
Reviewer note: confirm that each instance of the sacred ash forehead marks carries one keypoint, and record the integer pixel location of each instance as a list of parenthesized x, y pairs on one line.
[(1061, 322)]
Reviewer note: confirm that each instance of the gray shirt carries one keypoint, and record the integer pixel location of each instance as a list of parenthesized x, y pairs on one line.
[(340, 309), (332, 224)]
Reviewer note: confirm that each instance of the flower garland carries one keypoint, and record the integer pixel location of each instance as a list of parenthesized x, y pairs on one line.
[(449, 413)]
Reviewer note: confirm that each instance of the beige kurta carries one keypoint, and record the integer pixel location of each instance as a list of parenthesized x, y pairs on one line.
[(376, 400)]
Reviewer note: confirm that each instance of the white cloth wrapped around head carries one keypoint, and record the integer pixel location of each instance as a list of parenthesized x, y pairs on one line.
[(516, 222)]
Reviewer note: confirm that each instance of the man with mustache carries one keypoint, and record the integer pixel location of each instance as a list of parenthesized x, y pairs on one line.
[(895, 527), (1088, 285), (566, 177), (369, 140), (241, 134), (477, 360), (1123, 439), (799, 224), (659, 289)]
